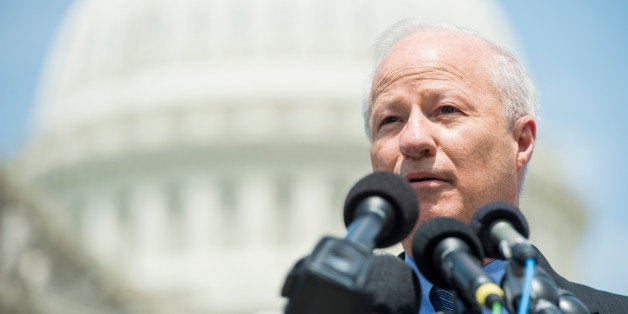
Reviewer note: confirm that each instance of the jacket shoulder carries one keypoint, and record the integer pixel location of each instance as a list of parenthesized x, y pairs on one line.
[(597, 301)]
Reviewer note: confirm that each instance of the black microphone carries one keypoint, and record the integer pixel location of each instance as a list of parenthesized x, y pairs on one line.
[(570, 304), (389, 286), (543, 295), (380, 210), (503, 232), (448, 254), (393, 285)]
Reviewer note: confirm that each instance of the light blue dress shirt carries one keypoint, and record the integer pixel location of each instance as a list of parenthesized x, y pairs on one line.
[(496, 269)]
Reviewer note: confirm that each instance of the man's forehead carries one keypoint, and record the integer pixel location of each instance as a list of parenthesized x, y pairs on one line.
[(462, 50), (461, 55)]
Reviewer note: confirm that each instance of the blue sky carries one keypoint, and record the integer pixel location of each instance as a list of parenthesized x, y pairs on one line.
[(26, 30), (575, 52)]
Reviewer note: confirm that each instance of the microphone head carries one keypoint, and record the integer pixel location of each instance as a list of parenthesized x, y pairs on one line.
[(394, 286), (488, 214), (569, 303), (399, 194), (430, 234)]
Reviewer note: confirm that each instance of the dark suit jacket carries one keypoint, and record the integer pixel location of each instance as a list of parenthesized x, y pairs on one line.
[(597, 301)]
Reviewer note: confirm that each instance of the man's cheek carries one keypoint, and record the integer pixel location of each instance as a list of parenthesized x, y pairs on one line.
[(375, 152), (381, 157), (376, 164)]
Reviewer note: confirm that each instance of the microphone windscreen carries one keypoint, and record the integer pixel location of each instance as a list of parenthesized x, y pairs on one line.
[(430, 234), (393, 285), (399, 194), (488, 214)]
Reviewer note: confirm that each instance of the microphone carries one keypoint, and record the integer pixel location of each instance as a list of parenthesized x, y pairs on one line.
[(393, 285), (568, 303), (448, 254), (544, 296), (380, 210), (503, 232)]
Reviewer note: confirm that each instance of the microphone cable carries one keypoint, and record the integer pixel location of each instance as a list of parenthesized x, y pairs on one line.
[(524, 302)]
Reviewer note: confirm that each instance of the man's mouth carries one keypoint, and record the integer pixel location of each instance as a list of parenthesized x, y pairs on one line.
[(422, 179), (425, 180)]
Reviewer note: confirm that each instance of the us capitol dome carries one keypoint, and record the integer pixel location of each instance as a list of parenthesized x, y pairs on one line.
[(197, 149)]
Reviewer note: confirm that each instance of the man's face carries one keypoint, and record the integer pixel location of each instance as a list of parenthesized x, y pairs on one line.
[(437, 120)]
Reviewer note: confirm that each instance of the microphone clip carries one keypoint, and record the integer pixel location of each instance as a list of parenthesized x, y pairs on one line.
[(336, 271)]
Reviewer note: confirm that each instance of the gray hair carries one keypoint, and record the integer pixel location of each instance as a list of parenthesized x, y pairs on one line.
[(507, 75)]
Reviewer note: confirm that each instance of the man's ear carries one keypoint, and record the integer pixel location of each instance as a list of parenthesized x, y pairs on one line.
[(524, 134)]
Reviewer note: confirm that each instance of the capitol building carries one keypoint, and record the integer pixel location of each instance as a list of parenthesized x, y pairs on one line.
[(185, 154)]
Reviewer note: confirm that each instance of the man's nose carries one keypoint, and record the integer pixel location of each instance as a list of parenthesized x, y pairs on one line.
[(416, 139)]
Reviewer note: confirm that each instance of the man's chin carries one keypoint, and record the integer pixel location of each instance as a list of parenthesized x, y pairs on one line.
[(439, 208), (430, 212)]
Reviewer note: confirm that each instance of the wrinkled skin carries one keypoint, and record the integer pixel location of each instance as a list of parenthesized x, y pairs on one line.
[(437, 119)]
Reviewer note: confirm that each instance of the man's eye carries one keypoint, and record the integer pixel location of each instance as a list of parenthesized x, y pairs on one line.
[(448, 110), (389, 120)]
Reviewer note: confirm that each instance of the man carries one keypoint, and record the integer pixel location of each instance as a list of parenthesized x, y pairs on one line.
[(455, 115)]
